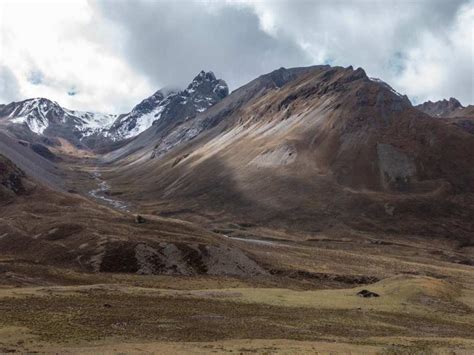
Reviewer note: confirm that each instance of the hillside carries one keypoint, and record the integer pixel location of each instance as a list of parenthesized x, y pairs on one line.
[(314, 149)]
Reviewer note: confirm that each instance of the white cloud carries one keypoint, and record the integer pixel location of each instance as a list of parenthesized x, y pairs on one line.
[(64, 41), (112, 54), (422, 48), (442, 66)]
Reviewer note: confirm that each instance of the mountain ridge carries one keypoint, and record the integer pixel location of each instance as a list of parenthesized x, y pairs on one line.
[(44, 117)]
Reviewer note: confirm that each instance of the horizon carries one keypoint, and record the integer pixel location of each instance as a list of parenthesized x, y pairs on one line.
[(170, 90)]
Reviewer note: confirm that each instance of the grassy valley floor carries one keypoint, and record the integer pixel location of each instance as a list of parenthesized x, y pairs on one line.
[(130, 313)]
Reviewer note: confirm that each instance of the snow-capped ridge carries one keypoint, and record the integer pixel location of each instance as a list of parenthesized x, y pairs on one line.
[(203, 92), (38, 114)]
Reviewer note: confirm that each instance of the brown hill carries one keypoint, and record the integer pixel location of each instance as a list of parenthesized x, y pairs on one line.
[(51, 227)]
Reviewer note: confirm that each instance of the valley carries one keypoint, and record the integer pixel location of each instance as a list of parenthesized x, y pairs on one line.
[(241, 222)]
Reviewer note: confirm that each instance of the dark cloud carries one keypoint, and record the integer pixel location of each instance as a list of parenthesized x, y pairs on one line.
[(171, 41)]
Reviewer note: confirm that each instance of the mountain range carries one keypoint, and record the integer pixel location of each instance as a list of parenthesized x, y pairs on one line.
[(317, 148), (318, 179), (47, 118)]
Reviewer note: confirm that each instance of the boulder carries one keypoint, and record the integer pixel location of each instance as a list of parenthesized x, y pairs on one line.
[(367, 294)]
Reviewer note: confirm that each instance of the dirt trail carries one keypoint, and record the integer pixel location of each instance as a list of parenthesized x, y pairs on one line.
[(256, 241)]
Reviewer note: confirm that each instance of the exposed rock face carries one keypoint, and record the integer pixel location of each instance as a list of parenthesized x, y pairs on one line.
[(396, 168), (442, 108), (44, 152), (171, 107), (178, 259)]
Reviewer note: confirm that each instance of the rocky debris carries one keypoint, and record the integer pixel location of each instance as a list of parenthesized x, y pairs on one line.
[(139, 219), (396, 168), (279, 156), (440, 108), (367, 294), (177, 259)]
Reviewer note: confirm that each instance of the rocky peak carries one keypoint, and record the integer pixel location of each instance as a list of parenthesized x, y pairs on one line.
[(38, 106), (440, 108), (203, 92), (206, 84), (150, 103), (36, 113)]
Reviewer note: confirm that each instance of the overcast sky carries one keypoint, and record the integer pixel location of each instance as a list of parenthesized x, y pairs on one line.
[(108, 55)]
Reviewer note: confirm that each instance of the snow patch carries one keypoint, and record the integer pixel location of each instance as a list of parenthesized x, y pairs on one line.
[(34, 124), (142, 123)]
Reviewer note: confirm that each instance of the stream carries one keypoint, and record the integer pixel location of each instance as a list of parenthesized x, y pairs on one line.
[(101, 193)]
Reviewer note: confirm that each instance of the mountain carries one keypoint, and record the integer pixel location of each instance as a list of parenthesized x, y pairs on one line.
[(310, 149), (442, 108), (167, 107), (169, 133), (47, 118), (43, 117), (452, 111)]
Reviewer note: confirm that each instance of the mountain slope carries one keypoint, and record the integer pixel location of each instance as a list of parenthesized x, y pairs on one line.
[(324, 148), (161, 138), (46, 226)]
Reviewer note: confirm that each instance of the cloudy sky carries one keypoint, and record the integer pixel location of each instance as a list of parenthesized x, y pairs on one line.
[(108, 55)]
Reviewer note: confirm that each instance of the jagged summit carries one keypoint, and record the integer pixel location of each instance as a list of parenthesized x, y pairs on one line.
[(440, 108), (206, 82), (203, 92)]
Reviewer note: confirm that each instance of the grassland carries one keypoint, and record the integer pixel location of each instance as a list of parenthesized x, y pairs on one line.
[(412, 314)]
